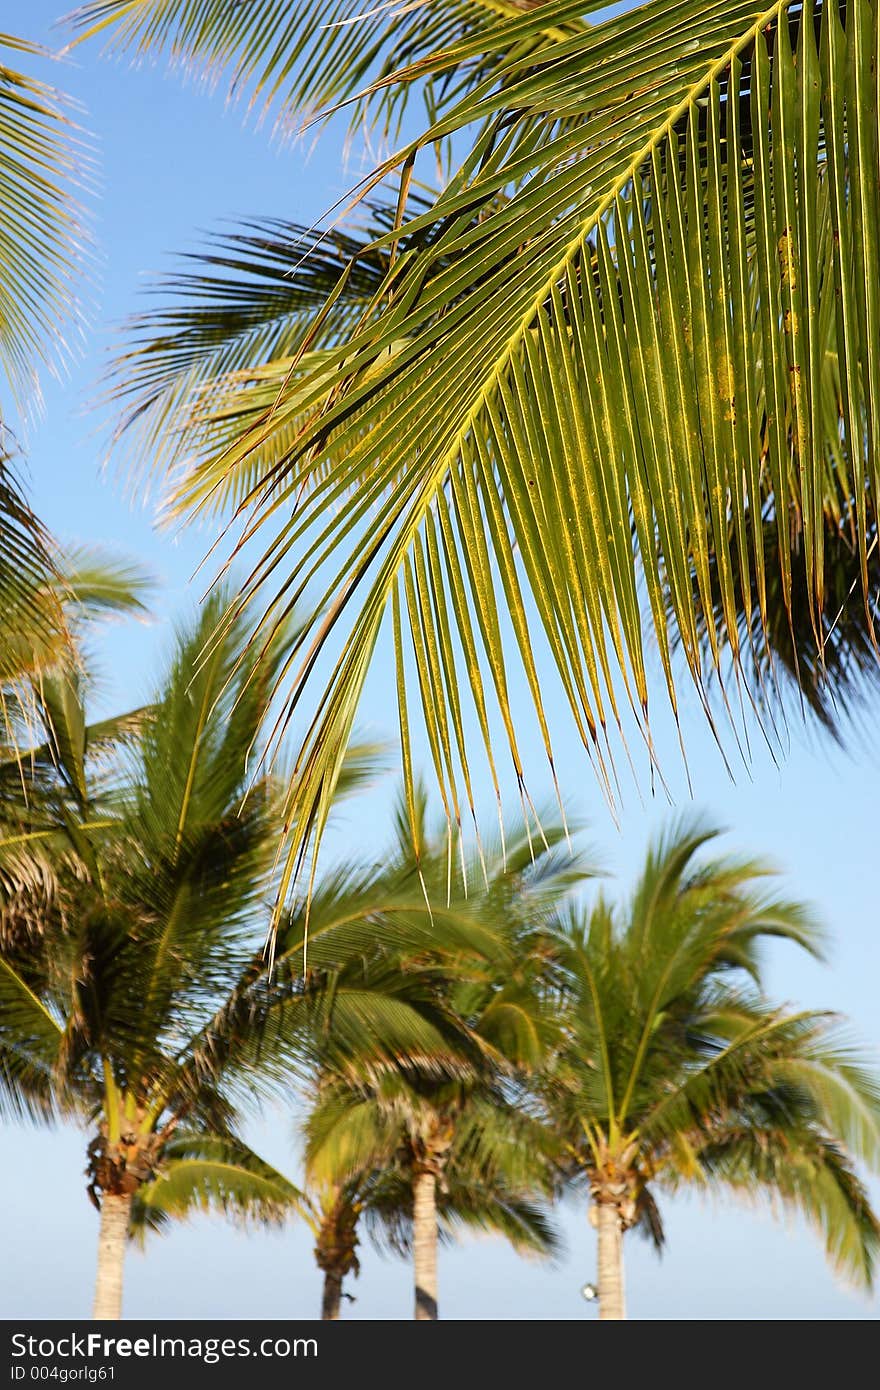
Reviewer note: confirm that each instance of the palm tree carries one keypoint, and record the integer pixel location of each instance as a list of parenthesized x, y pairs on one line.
[(570, 388), (378, 1152), (441, 1118), (333, 1215), (378, 1191), (120, 1019), (54, 788), (674, 1074)]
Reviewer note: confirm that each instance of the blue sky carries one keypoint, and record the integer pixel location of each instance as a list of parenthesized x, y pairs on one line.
[(174, 162)]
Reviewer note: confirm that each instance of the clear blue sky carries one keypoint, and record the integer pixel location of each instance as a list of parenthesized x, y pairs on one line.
[(174, 163)]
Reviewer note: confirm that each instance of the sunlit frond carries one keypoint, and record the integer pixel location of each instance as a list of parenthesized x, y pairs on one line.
[(41, 160), (549, 412)]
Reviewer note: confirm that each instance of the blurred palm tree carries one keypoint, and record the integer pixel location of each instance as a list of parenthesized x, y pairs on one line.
[(475, 1192), (416, 1165), (677, 1072), (119, 1016), (441, 1131)]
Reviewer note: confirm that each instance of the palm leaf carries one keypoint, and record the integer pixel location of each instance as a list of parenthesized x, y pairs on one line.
[(248, 298), (39, 253), (33, 629), (211, 1173), (833, 674), (811, 1175), (99, 584), (39, 231), (555, 425), (30, 1044), (303, 56)]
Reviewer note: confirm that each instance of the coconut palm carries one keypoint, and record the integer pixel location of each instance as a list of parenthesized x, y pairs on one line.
[(376, 1152), (111, 1020), (441, 1120), (572, 374), (675, 1074), (378, 1192), (411, 1117), (406, 992)]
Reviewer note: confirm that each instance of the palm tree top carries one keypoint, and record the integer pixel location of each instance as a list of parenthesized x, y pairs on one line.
[(675, 1069)]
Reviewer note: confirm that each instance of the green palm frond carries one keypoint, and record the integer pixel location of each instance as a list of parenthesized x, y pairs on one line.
[(33, 627), (195, 753), (48, 750), (95, 584), (30, 1044), (522, 1221), (40, 253), (812, 1175), (464, 1206), (333, 988), (836, 1076), (247, 299), (348, 1133), (40, 235), (301, 57), (58, 772), (214, 1174), (574, 388), (52, 596), (691, 922)]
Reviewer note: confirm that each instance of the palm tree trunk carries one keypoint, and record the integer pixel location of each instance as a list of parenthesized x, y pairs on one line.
[(332, 1298), (610, 1270), (425, 1244), (112, 1240)]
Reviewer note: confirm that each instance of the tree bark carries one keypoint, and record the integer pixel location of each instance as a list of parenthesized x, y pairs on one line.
[(112, 1241), (425, 1244), (332, 1298), (610, 1263)]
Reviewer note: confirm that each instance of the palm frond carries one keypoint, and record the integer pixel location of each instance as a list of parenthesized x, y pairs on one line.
[(30, 1045), (99, 584), (208, 1173), (247, 299), (810, 1174), (33, 629), (549, 404), (303, 57), (40, 232)]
